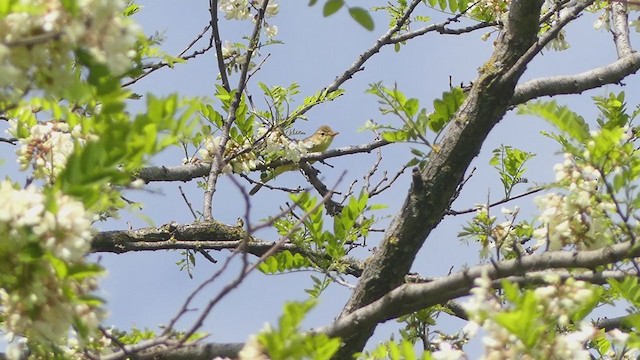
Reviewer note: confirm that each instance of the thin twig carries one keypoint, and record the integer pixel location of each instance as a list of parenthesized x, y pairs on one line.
[(217, 42), (505, 200), (218, 161), (184, 197)]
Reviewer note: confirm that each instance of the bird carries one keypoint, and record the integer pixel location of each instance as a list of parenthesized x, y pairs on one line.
[(318, 142)]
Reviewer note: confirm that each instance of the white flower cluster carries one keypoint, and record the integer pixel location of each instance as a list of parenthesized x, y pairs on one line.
[(481, 306), (242, 163), (241, 10), (493, 8), (38, 39), (65, 233), (577, 218), (559, 42), (43, 235), (557, 301), (47, 147), (446, 351), (561, 299), (604, 20), (277, 143)]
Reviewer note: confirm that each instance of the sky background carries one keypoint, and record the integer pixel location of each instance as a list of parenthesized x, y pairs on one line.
[(147, 289)]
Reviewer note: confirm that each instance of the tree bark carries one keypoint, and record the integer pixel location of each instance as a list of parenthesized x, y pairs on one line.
[(433, 188)]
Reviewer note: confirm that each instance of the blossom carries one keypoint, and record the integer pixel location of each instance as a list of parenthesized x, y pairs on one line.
[(559, 42), (578, 217), (571, 345), (53, 34), (556, 303), (252, 350), (47, 146), (241, 161), (272, 9), (56, 230), (235, 9), (447, 352), (271, 31)]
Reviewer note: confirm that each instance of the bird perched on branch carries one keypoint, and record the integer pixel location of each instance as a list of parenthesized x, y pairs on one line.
[(318, 142)]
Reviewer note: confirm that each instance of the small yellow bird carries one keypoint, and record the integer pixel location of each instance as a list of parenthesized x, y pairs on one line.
[(318, 142)]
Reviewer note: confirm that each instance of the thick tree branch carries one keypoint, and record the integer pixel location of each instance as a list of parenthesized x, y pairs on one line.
[(620, 29), (211, 350), (189, 172), (608, 324), (196, 352), (576, 84), (412, 297), (433, 187), (570, 14), (197, 236)]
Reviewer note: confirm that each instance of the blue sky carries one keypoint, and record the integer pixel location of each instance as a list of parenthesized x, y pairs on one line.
[(146, 289)]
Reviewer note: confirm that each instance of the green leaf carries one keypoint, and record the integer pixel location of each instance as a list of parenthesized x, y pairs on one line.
[(453, 6), (462, 5), (59, 266), (282, 262), (395, 136), (522, 322), (445, 108), (85, 270), (412, 106), (362, 17), (629, 289), (602, 344), (561, 117), (331, 7), (312, 2), (131, 9)]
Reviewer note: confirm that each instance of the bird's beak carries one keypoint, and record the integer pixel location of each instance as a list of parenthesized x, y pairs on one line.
[(335, 133)]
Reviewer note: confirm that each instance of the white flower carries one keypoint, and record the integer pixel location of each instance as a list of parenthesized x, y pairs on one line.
[(16, 350), (96, 26), (470, 329), (137, 184), (227, 49), (570, 346), (558, 43), (272, 9), (60, 227), (618, 336), (235, 9), (447, 352), (545, 292), (271, 31), (252, 350)]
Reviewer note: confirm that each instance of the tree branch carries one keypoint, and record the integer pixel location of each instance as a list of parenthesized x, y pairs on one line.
[(196, 352), (412, 297), (189, 172), (196, 236), (575, 84), (620, 29), (433, 187), (218, 162), (215, 40)]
